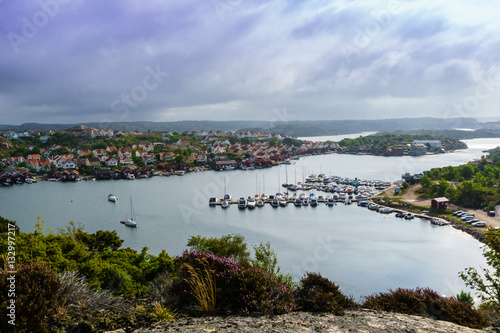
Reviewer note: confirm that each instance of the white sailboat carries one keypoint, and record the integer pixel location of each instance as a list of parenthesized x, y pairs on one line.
[(131, 221)]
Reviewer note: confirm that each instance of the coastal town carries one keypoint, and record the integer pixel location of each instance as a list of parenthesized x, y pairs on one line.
[(87, 153)]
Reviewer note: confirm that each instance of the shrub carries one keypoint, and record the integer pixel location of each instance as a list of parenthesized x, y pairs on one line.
[(426, 302), (465, 298), (241, 288), (36, 287), (318, 294)]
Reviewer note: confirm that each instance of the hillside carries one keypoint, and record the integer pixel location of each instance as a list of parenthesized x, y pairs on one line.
[(5, 145), (294, 128)]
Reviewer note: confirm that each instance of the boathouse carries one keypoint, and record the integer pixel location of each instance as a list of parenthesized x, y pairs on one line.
[(439, 203)]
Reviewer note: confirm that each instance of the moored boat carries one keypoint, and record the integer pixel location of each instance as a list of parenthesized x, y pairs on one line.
[(112, 198)]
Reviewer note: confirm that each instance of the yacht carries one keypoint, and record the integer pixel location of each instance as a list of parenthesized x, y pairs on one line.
[(242, 203), (251, 203)]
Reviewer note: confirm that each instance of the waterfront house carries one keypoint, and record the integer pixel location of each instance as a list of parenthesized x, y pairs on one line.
[(69, 175), (103, 174), (116, 174), (221, 165), (439, 203), (6, 178)]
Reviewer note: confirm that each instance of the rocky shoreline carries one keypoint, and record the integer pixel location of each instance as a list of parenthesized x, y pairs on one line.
[(353, 321)]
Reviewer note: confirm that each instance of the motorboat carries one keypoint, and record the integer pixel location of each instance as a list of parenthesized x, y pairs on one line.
[(112, 198), (297, 202), (260, 203), (330, 202), (305, 202), (275, 203), (314, 202), (400, 214), (251, 203), (224, 204), (409, 216), (212, 201), (227, 197), (130, 177), (242, 203), (283, 202)]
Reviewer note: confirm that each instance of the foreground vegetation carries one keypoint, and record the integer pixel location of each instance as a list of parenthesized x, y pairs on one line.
[(71, 280), (472, 185)]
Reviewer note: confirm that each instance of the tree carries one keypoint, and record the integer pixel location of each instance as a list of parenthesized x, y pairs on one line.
[(425, 181), (273, 142), (487, 287), (230, 246)]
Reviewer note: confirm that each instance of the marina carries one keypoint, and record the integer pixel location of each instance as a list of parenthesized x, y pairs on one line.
[(342, 242)]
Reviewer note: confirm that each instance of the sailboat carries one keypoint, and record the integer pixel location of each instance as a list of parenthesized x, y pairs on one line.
[(131, 221)]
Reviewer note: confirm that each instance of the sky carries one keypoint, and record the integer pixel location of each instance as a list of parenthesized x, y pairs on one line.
[(70, 61)]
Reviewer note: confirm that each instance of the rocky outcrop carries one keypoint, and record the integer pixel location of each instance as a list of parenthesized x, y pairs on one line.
[(354, 321), (5, 145)]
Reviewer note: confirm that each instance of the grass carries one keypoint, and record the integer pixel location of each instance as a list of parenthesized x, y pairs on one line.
[(202, 282)]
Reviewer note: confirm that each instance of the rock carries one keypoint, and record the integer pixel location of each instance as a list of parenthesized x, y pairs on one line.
[(354, 321)]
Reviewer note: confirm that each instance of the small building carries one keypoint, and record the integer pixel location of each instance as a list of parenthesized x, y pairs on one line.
[(103, 174), (439, 203)]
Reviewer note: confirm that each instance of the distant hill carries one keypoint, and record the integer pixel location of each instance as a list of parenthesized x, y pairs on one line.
[(294, 128)]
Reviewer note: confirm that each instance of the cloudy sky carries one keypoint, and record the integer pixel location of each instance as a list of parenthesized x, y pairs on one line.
[(68, 61)]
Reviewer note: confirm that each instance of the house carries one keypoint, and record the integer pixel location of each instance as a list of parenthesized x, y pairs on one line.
[(221, 165), (106, 133), (111, 162), (34, 157), (439, 203), (126, 161), (168, 156), (6, 178), (103, 174), (10, 135), (148, 158), (434, 144), (69, 175), (116, 174), (418, 149), (93, 162)]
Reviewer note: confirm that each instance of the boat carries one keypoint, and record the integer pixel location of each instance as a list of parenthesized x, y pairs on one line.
[(330, 202), (400, 214), (305, 202), (314, 202), (260, 203), (28, 181), (373, 207), (275, 203), (409, 216), (298, 202), (242, 203), (212, 201), (227, 197), (283, 202), (224, 204), (131, 221), (363, 203), (112, 198), (251, 203), (130, 177)]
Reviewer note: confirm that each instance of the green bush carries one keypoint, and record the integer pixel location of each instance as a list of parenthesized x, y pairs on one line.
[(426, 302), (35, 288), (318, 294)]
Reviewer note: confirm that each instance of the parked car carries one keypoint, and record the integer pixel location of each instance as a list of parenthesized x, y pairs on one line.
[(467, 218), (479, 224), (461, 213), (491, 213), (455, 213)]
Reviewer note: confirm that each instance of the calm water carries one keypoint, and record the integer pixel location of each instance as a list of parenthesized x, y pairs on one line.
[(362, 251)]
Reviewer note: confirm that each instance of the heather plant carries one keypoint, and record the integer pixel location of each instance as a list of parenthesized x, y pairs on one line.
[(241, 287), (36, 288), (318, 294), (424, 301)]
